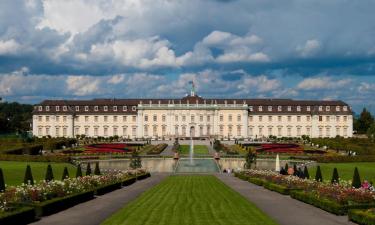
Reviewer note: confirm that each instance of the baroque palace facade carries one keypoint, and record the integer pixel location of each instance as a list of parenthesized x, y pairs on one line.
[(192, 116)]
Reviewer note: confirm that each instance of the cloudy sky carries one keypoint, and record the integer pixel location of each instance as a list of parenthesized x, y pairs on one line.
[(81, 49)]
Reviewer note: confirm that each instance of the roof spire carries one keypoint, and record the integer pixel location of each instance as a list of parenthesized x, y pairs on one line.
[(192, 91)]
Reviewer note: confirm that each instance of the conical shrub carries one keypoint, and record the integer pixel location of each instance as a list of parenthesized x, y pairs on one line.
[(286, 167), (318, 175), (97, 170), (301, 174), (28, 179), (295, 170), (79, 171), (335, 176), (306, 173), (356, 179), (88, 169), (2, 182), (65, 173), (49, 173)]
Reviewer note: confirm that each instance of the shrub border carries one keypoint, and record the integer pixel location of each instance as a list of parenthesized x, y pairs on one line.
[(107, 188), (361, 217), (23, 215)]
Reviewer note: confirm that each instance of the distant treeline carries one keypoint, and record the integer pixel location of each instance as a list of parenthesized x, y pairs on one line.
[(15, 117)]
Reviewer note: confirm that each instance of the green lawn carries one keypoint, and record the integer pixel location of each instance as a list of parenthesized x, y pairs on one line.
[(14, 172), (346, 170), (188, 200), (198, 149)]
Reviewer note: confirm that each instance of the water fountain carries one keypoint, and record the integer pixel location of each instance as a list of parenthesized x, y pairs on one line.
[(191, 151)]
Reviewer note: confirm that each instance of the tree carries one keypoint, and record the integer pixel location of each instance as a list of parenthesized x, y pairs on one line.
[(318, 175), (28, 176), (135, 161), (363, 123), (295, 171), (286, 167), (65, 174), (88, 169), (356, 179), (49, 173), (2, 182), (79, 171), (306, 173), (97, 170), (335, 176), (250, 158), (371, 132)]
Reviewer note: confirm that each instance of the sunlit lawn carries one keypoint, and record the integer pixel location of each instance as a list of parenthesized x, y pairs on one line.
[(198, 149)]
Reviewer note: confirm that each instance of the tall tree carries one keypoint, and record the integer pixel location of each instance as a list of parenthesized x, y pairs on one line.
[(371, 132), (364, 122)]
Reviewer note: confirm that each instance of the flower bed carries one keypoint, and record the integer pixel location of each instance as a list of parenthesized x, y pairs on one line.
[(155, 149), (109, 148), (19, 216), (363, 217), (280, 148)]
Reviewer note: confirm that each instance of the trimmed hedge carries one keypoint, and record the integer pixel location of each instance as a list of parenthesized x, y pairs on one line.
[(326, 204), (58, 204), (143, 176), (257, 181), (361, 217), (277, 188), (129, 181), (19, 216), (34, 158), (107, 188), (27, 149)]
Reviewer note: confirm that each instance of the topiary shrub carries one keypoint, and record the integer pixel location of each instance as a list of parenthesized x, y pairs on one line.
[(356, 179), (65, 174), (79, 171), (28, 176), (318, 175), (2, 182), (97, 170), (295, 171), (306, 173), (49, 173), (335, 176), (88, 169)]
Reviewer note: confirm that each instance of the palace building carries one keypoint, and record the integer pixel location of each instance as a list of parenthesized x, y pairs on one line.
[(192, 116)]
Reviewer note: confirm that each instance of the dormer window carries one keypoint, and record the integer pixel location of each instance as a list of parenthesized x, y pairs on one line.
[(260, 108), (279, 108), (40, 108), (57, 108), (308, 108), (47, 108), (105, 108), (77, 108), (269, 108), (115, 108), (96, 108), (299, 108), (338, 108), (251, 108), (124, 108), (86, 108), (345, 108), (289, 108), (328, 108), (320, 108), (65, 108), (134, 108)]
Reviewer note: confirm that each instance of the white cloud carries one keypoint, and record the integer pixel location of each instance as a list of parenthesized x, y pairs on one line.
[(310, 48), (321, 83), (9, 47)]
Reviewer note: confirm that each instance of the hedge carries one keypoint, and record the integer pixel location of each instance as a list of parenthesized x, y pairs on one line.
[(155, 149), (129, 181), (22, 215), (143, 176), (27, 149), (107, 188), (257, 181), (361, 217), (58, 204), (326, 204), (277, 188), (34, 158)]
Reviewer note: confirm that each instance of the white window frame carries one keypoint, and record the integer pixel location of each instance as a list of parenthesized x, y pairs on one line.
[(279, 108), (65, 108), (105, 108), (269, 108), (134, 108), (260, 108), (289, 108), (96, 108), (77, 108), (57, 108), (308, 108), (298, 108), (328, 108), (125, 108), (47, 108), (86, 108), (115, 108)]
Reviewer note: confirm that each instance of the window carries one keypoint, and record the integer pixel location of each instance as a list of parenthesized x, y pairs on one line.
[(260, 131), (47, 118), (308, 130), (289, 108), (221, 130), (269, 118), (192, 118), (328, 131), (298, 118), (134, 118), (105, 131), (183, 131), (327, 118), (115, 108), (328, 108), (114, 118), (238, 118), (345, 108), (251, 118), (86, 131), (345, 131), (260, 108), (57, 118), (134, 131), (115, 131), (250, 108), (176, 130), (47, 108), (289, 131), (320, 118), (201, 118), (124, 108), (95, 131), (40, 108), (289, 118), (208, 130), (345, 118), (238, 130), (320, 108), (96, 108), (155, 118), (338, 108), (270, 108), (64, 118), (40, 118), (260, 118), (279, 108), (308, 118), (298, 108), (298, 131), (57, 108), (86, 118), (230, 130), (337, 118), (163, 119), (86, 108), (105, 118), (40, 131), (146, 118), (64, 131), (230, 118), (123, 118), (338, 131), (57, 131), (279, 131), (221, 118), (76, 118), (183, 118), (105, 108), (134, 108), (176, 118), (269, 130), (76, 130), (250, 131), (124, 130), (77, 108), (208, 118), (308, 108), (65, 108), (96, 118), (279, 118)]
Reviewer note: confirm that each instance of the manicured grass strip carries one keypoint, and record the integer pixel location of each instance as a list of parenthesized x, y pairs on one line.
[(186, 200), (14, 172), (346, 170), (198, 149)]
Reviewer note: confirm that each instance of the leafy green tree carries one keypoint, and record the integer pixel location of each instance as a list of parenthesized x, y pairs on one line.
[(97, 170), (88, 169), (2, 181), (250, 158), (306, 173), (49, 173), (28, 179), (135, 160), (363, 123), (79, 171), (318, 175), (65, 174), (356, 179), (371, 132), (335, 176)]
